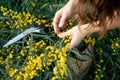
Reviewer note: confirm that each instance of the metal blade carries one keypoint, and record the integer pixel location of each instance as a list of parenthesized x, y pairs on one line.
[(18, 37)]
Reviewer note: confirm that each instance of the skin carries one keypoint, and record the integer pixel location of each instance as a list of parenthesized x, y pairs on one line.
[(77, 32)]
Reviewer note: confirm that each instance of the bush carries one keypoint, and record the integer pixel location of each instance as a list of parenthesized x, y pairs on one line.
[(44, 56)]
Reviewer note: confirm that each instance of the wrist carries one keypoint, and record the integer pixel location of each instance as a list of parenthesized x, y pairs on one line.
[(75, 5), (84, 29), (89, 29)]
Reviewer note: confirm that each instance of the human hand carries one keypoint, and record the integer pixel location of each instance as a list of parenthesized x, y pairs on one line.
[(64, 14), (77, 33)]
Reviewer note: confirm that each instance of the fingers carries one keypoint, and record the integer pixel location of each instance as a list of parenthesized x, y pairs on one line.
[(56, 22), (63, 19), (76, 36), (59, 21), (65, 34)]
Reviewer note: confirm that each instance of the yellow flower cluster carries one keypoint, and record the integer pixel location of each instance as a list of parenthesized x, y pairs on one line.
[(89, 40), (13, 21), (99, 68), (99, 72), (24, 62), (12, 72), (60, 70), (1, 60), (20, 19), (40, 57), (30, 70), (115, 44)]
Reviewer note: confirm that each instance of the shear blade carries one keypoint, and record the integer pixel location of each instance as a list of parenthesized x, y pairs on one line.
[(18, 37)]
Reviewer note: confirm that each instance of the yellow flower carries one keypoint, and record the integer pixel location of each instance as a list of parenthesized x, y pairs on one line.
[(54, 78), (98, 69), (103, 68), (101, 50), (3, 9), (101, 60), (26, 76), (33, 4), (102, 76), (96, 72), (18, 77), (55, 71), (18, 57), (10, 56), (12, 72), (117, 45), (98, 65), (96, 76)]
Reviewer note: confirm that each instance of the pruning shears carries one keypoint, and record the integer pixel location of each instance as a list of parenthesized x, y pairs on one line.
[(41, 30)]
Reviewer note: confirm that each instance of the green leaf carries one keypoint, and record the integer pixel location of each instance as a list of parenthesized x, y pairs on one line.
[(5, 18), (44, 5)]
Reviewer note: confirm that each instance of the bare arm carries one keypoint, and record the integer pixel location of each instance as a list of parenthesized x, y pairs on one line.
[(109, 25), (78, 33)]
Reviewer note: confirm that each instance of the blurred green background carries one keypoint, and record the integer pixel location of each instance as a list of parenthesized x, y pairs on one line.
[(44, 7)]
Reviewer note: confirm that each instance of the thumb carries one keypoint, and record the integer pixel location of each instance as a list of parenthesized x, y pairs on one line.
[(65, 34), (75, 41)]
